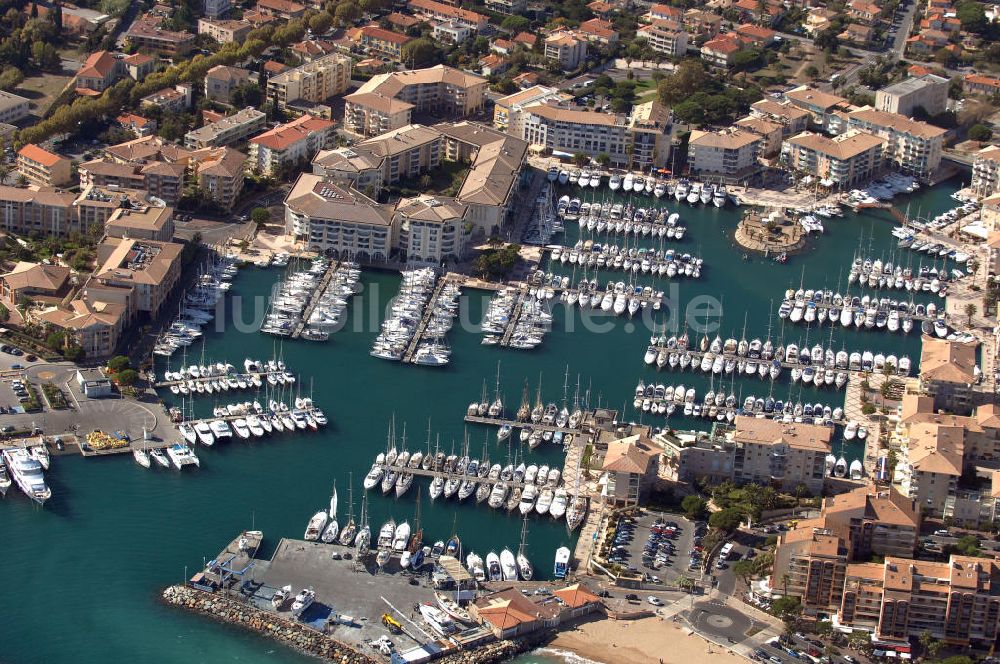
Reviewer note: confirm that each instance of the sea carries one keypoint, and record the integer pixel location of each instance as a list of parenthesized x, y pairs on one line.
[(82, 576)]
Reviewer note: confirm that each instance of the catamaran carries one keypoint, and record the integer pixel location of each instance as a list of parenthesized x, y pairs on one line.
[(182, 455)]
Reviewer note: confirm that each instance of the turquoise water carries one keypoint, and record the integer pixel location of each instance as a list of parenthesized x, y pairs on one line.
[(83, 574)]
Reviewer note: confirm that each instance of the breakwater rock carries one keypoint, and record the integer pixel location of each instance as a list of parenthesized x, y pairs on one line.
[(292, 634)]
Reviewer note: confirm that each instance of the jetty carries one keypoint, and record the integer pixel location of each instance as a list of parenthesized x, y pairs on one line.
[(501, 421), (425, 318), (314, 297), (454, 475), (515, 317)]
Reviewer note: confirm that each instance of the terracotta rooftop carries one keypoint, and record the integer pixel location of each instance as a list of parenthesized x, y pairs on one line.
[(947, 361), (769, 432), (630, 455)]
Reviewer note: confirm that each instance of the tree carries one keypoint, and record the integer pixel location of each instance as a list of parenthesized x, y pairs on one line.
[(972, 16), (347, 12), (580, 159), (967, 545), (128, 377), (727, 520), (260, 216), (970, 311), (515, 24), (827, 39), (812, 71), (57, 18), (320, 23), (980, 132), (787, 608), (118, 363), (603, 159), (4, 314), (693, 506), (420, 53), (10, 78), (935, 647), (744, 570)]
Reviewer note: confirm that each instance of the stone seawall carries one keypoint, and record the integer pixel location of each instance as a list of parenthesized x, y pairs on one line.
[(292, 634), (311, 642)]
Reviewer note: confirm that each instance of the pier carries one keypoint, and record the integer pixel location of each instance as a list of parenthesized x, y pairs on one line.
[(515, 318), (314, 298), (428, 313), (247, 377), (447, 475), (877, 305), (514, 424)]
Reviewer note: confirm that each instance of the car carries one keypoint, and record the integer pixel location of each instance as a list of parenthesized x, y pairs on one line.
[(16, 366), (942, 532), (16, 351), (7, 428), (631, 596), (775, 659), (850, 660), (31, 358), (655, 601)]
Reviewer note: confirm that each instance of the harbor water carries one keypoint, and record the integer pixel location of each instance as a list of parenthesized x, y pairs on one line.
[(84, 573)]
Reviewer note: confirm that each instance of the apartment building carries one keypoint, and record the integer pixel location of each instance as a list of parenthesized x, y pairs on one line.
[(565, 48), (496, 162), (720, 51), (215, 8), (838, 162), (977, 84), (948, 372), (649, 127), (793, 120), (508, 7), (389, 44), (811, 560), (451, 32), (986, 171), (439, 11), (12, 107), (957, 601), (928, 92), (911, 146), (728, 153), (47, 213), (95, 205), (507, 111), (665, 36), (786, 455), (314, 81), (280, 9), (629, 470), (225, 32), (100, 71), (405, 153), (151, 269), (220, 81), (141, 222), (94, 326), (297, 140), (36, 281), (227, 131), (386, 101), (43, 167), (339, 221), (356, 167), (219, 173), (170, 100), (146, 34), (571, 130), (771, 133), (824, 108), (431, 229)]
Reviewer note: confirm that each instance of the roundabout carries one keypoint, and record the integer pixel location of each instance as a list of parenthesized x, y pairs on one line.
[(714, 619)]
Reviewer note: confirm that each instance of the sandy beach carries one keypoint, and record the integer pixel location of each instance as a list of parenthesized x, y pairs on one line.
[(644, 641)]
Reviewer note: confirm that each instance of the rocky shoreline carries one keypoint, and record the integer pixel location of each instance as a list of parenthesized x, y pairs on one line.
[(311, 642)]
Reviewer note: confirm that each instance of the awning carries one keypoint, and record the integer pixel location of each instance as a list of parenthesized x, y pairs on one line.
[(976, 230), (826, 182), (878, 653), (904, 655), (560, 153), (890, 653), (807, 179)]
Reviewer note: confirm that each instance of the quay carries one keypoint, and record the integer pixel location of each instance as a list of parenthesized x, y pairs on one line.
[(425, 318), (314, 297)]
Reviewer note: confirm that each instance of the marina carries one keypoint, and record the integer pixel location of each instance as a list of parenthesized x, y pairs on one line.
[(82, 487)]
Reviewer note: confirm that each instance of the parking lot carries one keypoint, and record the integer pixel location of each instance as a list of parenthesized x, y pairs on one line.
[(657, 545)]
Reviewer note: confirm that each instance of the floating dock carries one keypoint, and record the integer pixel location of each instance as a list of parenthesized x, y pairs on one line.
[(314, 298), (425, 318)]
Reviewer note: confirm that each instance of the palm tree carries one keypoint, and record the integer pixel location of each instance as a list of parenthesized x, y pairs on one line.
[(970, 311)]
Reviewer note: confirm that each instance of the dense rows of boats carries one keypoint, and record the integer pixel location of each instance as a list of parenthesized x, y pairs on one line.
[(405, 314), (25, 467), (526, 488), (526, 315), (885, 274), (825, 306), (817, 365), (328, 309), (622, 218), (692, 192), (617, 297), (300, 290), (197, 307), (178, 455), (883, 189), (657, 262), (544, 222), (945, 218), (224, 377), (660, 399), (432, 350)]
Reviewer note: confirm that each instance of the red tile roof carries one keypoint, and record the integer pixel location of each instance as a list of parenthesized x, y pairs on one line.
[(37, 154)]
